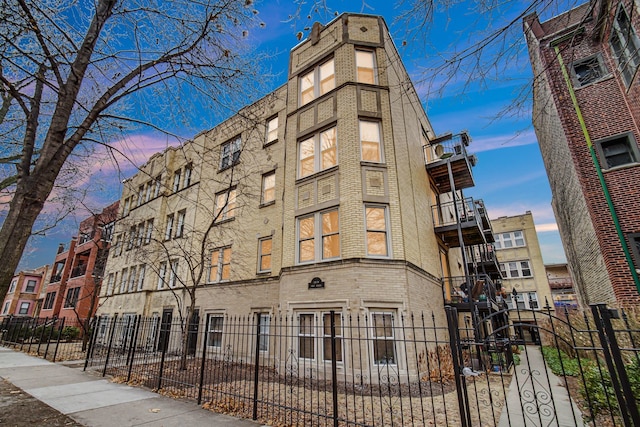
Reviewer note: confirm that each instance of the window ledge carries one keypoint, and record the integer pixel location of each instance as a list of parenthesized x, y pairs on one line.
[(621, 167), (229, 166), (600, 80), (380, 165), (264, 205), (318, 174), (224, 221), (269, 143)]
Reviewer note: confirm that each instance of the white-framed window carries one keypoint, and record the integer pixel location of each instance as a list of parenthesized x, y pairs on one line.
[(131, 238), (180, 225), (140, 195), (72, 297), (272, 130), (317, 153), (140, 234), (168, 231), (12, 286), (141, 271), (319, 236), (370, 141), (176, 181), (24, 307), (265, 246), (326, 336), (157, 185), (220, 265), (110, 283), (263, 339), (118, 245), (618, 150), (365, 66), (377, 236), (173, 273), (515, 269), (230, 153), (107, 231), (124, 279), (49, 300), (215, 327), (162, 274), (625, 46), (148, 232), (383, 333), (225, 205), (317, 82), (524, 301), (588, 70), (269, 187), (511, 239), (132, 279), (127, 204), (5, 309), (306, 336), (186, 181), (31, 286)]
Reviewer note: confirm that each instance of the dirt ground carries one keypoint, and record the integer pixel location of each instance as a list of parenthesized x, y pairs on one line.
[(18, 409)]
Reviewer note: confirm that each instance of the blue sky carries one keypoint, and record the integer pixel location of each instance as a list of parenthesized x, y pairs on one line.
[(510, 175)]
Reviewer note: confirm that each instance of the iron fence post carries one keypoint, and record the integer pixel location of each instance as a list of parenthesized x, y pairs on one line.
[(165, 344), (55, 352), (46, 349), (202, 365), (133, 344), (334, 368), (256, 370), (111, 335), (461, 386), (93, 333), (44, 327), (619, 379)]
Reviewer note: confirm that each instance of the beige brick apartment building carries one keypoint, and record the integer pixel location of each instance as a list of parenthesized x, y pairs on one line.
[(331, 193), (586, 121)]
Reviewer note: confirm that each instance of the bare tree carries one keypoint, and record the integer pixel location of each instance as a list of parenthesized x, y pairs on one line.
[(73, 74)]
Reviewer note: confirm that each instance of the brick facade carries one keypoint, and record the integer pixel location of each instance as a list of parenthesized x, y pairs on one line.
[(609, 107)]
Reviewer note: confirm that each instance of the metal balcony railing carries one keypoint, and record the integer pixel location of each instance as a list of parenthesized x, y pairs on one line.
[(475, 288), (444, 214), (446, 147), (79, 270)]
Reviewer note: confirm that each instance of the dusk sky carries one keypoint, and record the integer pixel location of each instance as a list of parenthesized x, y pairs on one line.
[(510, 176)]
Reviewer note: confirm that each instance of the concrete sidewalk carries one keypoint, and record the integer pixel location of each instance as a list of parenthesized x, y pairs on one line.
[(94, 401)]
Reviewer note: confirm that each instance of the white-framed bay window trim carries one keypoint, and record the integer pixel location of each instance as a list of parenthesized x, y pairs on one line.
[(272, 131), (318, 152), (515, 269), (365, 66), (318, 236), (511, 239), (383, 334), (317, 82), (265, 248), (314, 336), (215, 329), (220, 265), (371, 141)]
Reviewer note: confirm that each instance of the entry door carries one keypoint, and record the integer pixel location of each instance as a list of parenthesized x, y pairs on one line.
[(193, 332)]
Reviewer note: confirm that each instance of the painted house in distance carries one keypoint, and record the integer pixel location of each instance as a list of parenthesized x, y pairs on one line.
[(22, 296)]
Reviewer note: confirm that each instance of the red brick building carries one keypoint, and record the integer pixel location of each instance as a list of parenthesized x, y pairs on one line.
[(76, 273), (586, 116), (22, 296)]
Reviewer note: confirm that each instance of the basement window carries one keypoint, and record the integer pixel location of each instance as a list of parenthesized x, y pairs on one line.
[(617, 151)]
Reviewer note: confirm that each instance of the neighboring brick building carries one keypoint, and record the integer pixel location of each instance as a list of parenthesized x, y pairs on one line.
[(76, 274), (522, 267), (22, 296), (331, 193), (599, 47)]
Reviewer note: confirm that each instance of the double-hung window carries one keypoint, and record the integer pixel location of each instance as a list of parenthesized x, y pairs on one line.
[(264, 255), (132, 279), (176, 181), (625, 46), (186, 181), (365, 66), (31, 286), (173, 273), (384, 348), (326, 336), (370, 141), (180, 225), (225, 205), (263, 340), (317, 153), (157, 185), (230, 153), (512, 239), (148, 232), (376, 233), (141, 271), (124, 279), (24, 308), (272, 131), (306, 336), (317, 82), (215, 327), (72, 297), (220, 267), (49, 300), (516, 269), (12, 286), (268, 187), (162, 273), (169, 228), (319, 236)]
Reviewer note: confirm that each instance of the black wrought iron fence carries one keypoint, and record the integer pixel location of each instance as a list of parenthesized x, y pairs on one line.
[(55, 339)]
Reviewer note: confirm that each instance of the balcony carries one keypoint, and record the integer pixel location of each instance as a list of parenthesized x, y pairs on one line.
[(466, 293), (473, 219), (449, 151), (482, 259), (79, 270)]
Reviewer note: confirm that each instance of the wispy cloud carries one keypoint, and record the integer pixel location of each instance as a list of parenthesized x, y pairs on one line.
[(542, 213), (544, 228), (496, 142)]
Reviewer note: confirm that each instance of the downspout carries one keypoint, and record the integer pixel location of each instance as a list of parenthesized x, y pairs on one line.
[(594, 158)]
